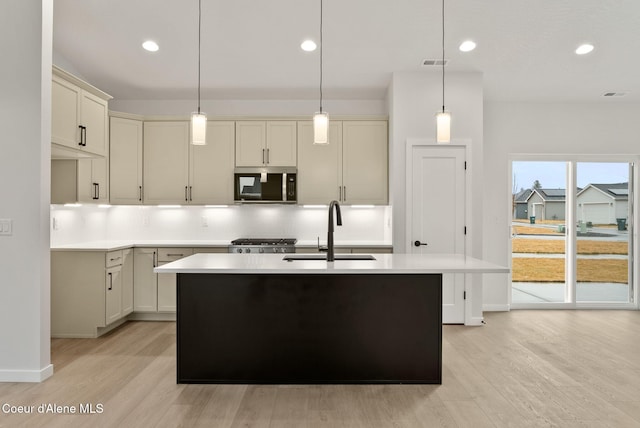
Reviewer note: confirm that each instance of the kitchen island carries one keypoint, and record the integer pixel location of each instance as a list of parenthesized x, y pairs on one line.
[(260, 319)]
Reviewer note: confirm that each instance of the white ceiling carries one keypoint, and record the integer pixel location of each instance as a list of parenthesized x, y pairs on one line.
[(251, 48)]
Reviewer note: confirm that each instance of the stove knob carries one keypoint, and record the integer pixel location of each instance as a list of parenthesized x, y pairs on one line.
[(239, 250), (248, 250), (261, 250)]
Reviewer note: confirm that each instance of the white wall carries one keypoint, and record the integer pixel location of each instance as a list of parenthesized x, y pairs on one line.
[(250, 107), (91, 223), (572, 129), (414, 99), (25, 110)]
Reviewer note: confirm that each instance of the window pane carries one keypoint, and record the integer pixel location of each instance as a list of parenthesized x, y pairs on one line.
[(603, 239), (538, 232)]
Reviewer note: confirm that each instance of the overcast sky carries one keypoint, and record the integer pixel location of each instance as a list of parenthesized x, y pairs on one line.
[(552, 175)]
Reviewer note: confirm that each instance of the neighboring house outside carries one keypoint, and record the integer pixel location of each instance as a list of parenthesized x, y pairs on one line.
[(547, 204), (603, 203), (520, 208)]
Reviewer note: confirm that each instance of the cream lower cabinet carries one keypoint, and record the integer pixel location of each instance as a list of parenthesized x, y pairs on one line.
[(155, 292), (87, 291), (352, 168)]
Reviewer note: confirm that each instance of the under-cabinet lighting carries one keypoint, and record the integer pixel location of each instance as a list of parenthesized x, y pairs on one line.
[(216, 206), (315, 206), (584, 49), (467, 46), (362, 206), (73, 205), (169, 206), (104, 206), (308, 46)]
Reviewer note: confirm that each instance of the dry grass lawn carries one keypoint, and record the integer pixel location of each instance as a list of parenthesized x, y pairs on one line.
[(549, 246), (525, 269), (528, 230)]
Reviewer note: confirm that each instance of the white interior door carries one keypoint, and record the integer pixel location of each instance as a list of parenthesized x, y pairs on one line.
[(437, 216)]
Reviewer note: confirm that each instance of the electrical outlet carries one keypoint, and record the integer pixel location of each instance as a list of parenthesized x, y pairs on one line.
[(6, 226), (145, 220), (56, 224), (205, 221)]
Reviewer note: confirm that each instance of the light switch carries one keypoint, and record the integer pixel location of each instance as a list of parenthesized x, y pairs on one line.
[(6, 226)]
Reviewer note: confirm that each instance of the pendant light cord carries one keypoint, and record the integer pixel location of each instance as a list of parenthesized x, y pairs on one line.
[(321, 56), (443, 56), (199, 41)]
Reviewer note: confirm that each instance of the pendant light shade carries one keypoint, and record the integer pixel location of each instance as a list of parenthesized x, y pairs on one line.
[(443, 117), (443, 127), (321, 119), (199, 119), (198, 129), (321, 128)]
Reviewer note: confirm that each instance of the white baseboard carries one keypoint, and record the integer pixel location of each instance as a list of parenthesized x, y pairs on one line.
[(475, 321), (496, 308), (26, 375)]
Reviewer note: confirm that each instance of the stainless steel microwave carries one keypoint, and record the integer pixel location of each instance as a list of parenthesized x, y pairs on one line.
[(265, 185)]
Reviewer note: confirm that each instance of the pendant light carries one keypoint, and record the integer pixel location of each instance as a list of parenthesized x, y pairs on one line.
[(443, 118), (321, 119), (199, 119)]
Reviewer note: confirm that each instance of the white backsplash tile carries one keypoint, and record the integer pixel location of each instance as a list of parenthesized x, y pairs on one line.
[(90, 223)]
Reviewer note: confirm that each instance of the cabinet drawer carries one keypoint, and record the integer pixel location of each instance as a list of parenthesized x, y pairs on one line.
[(172, 254), (113, 258)]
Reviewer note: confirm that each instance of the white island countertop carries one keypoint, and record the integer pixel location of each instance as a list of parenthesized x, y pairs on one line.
[(383, 263)]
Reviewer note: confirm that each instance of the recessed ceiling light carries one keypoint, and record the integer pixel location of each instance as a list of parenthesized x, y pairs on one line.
[(467, 46), (150, 45), (308, 46), (584, 49)]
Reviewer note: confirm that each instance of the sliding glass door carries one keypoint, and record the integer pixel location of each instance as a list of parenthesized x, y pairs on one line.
[(603, 212), (571, 233)]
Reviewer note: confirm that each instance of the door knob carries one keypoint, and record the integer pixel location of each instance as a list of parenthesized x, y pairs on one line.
[(418, 243)]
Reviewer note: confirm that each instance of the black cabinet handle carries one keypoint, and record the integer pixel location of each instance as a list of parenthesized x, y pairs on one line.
[(83, 135), (190, 193), (96, 190), (267, 156), (418, 243), (186, 193), (110, 281), (263, 156), (154, 262), (140, 193)]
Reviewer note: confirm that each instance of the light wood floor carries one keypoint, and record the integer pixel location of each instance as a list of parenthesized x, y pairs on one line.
[(522, 369)]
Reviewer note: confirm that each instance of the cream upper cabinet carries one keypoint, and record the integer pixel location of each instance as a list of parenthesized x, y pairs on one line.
[(125, 161), (93, 180), (211, 166), (351, 169), (319, 171), (270, 143), (166, 162), (79, 115), (281, 143), (365, 162)]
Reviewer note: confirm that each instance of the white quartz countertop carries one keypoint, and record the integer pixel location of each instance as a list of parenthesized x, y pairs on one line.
[(111, 245), (383, 263)]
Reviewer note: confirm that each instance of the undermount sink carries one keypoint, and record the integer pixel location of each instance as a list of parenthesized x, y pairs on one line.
[(295, 257)]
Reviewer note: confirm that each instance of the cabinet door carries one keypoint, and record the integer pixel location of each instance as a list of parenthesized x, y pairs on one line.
[(319, 172), (166, 291), (145, 291), (93, 183), (64, 181), (127, 281), (166, 162), (281, 143), (250, 143), (65, 113), (94, 117), (113, 294), (211, 166), (125, 161), (365, 162)]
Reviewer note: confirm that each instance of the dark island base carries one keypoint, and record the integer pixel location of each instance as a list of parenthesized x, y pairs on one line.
[(308, 329)]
